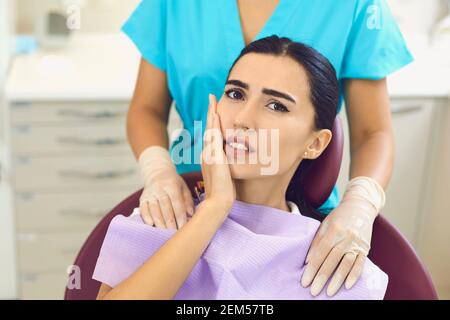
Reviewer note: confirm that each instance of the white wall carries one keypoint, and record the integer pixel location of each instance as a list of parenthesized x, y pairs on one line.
[(418, 15), (6, 26), (96, 15), (8, 278), (108, 15)]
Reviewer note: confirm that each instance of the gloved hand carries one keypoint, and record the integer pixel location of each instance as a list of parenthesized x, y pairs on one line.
[(342, 242), (166, 200)]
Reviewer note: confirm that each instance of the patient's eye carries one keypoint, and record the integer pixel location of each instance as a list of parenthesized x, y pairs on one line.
[(234, 94), (276, 106)]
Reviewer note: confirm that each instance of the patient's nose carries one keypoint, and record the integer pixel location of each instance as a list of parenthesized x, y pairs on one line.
[(245, 118)]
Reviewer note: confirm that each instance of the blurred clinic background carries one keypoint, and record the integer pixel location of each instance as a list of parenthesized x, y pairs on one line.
[(65, 161)]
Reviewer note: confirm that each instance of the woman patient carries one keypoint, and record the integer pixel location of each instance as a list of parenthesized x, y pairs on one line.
[(247, 238)]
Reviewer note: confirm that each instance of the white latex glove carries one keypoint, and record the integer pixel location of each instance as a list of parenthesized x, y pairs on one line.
[(166, 200), (342, 242)]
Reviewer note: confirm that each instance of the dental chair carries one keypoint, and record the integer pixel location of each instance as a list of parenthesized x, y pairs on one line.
[(408, 277)]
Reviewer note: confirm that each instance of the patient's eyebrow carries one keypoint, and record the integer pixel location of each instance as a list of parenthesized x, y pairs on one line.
[(238, 83), (278, 94), (267, 91)]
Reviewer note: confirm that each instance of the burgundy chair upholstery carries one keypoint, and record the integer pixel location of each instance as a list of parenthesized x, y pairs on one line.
[(408, 278), (325, 170)]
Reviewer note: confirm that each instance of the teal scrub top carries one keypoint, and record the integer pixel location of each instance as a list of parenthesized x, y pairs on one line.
[(196, 41)]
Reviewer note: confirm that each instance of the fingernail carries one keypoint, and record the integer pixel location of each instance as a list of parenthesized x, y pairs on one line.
[(318, 284), (333, 287), (190, 211), (349, 283), (307, 277)]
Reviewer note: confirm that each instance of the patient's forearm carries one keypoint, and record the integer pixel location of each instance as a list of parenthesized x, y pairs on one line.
[(165, 272)]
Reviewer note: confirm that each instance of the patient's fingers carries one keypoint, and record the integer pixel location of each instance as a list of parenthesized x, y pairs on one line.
[(145, 213), (217, 138), (208, 126), (205, 157), (189, 202)]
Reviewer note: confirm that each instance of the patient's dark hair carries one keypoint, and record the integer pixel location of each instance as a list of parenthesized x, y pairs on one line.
[(324, 95)]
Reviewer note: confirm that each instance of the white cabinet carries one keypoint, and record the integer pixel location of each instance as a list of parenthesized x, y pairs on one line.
[(412, 123), (68, 159), (7, 254), (71, 164), (434, 231), (8, 274)]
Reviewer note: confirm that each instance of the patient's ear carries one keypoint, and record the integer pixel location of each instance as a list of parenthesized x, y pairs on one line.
[(319, 142)]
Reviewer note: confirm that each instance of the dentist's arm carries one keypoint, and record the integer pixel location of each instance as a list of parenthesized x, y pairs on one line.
[(343, 241), (371, 134), (166, 199), (164, 273)]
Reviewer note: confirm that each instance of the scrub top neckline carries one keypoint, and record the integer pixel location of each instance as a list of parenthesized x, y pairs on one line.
[(233, 29)]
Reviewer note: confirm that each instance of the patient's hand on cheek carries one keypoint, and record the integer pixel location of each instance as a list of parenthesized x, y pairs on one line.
[(219, 186)]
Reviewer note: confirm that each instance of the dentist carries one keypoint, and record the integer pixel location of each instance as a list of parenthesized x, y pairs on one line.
[(187, 47)]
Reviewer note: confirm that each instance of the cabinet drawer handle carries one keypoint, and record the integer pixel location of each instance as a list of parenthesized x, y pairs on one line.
[(105, 114), (94, 142), (94, 213), (21, 104), (28, 237), (407, 109), (110, 174), (30, 277)]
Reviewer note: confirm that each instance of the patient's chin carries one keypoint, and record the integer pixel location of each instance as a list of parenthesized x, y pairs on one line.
[(245, 171)]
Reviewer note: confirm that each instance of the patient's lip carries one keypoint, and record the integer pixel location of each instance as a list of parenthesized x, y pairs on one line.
[(242, 140)]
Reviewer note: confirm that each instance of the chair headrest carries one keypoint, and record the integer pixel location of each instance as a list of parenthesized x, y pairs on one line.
[(324, 171)]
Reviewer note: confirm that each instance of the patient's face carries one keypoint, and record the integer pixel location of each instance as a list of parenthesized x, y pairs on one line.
[(266, 102)]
